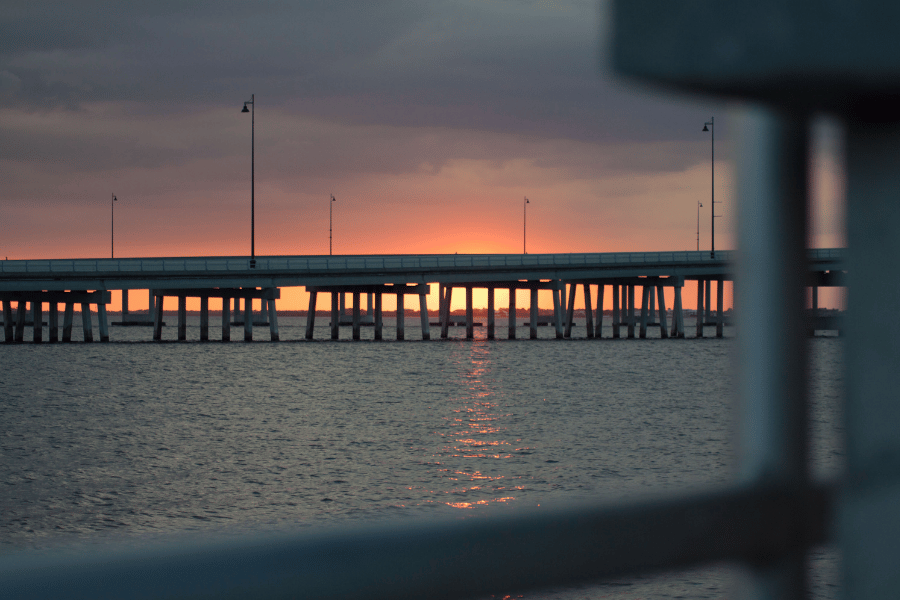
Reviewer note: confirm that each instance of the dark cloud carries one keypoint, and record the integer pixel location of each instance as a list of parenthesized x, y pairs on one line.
[(518, 67)]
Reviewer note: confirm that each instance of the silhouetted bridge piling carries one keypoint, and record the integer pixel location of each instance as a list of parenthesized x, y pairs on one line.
[(30, 284)]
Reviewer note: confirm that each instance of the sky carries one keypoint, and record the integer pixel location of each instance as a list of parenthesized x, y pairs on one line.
[(430, 122)]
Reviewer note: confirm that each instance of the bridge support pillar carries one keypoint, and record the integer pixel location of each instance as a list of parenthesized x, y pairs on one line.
[(470, 328), (102, 323), (68, 317), (335, 317), (401, 318), (598, 326), (248, 319), (678, 312), (570, 308), (86, 324), (532, 332), (651, 316), (21, 307), (182, 318), (631, 311), (663, 324), (490, 315), (53, 316), (226, 320), (615, 315), (356, 301), (379, 317), (700, 308), (8, 321), (158, 318), (589, 310), (423, 316), (708, 306), (720, 307), (204, 319), (37, 319), (559, 301), (645, 310), (512, 313), (445, 310), (311, 315)]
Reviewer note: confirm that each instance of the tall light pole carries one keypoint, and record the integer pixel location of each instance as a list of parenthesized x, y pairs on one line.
[(252, 178), (330, 204), (712, 129), (699, 206), (112, 226), (524, 225)]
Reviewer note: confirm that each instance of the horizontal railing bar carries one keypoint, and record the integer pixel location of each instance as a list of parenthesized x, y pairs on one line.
[(387, 262), (474, 557)]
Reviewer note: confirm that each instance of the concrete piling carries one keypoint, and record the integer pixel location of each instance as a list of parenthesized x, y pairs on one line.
[(311, 315), (54, 322), (700, 308), (226, 319), (86, 322), (204, 319), (661, 297), (598, 331), (21, 307), (720, 307), (445, 311), (379, 327), (102, 323), (335, 317), (401, 318), (490, 315), (423, 316), (645, 310), (589, 310), (470, 328), (37, 318), (615, 316), (512, 313), (248, 319), (532, 331), (68, 317), (356, 300), (182, 318), (273, 320), (158, 318), (570, 309), (8, 333), (559, 301), (631, 310)]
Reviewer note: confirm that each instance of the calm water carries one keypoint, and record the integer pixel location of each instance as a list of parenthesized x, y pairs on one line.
[(140, 439)]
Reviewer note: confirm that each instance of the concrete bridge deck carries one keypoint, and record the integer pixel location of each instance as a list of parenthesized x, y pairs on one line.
[(66, 281)]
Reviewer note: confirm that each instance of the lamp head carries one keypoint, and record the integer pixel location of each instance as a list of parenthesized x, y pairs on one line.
[(705, 128), (245, 109)]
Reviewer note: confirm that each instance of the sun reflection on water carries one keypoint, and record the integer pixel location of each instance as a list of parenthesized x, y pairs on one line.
[(474, 448)]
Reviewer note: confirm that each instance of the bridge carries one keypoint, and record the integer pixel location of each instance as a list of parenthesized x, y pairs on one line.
[(29, 284)]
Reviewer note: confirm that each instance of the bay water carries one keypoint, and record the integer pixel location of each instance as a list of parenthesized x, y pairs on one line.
[(139, 440)]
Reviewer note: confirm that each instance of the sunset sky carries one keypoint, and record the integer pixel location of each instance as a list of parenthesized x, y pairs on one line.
[(428, 121)]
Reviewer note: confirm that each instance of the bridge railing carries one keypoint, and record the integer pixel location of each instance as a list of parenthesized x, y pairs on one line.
[(304, 264)]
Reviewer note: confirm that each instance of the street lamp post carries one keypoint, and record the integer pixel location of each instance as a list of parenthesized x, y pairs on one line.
[(251, 102), (112, 226), (524, 225), (330, 204), (699, 206), (712, 129)]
